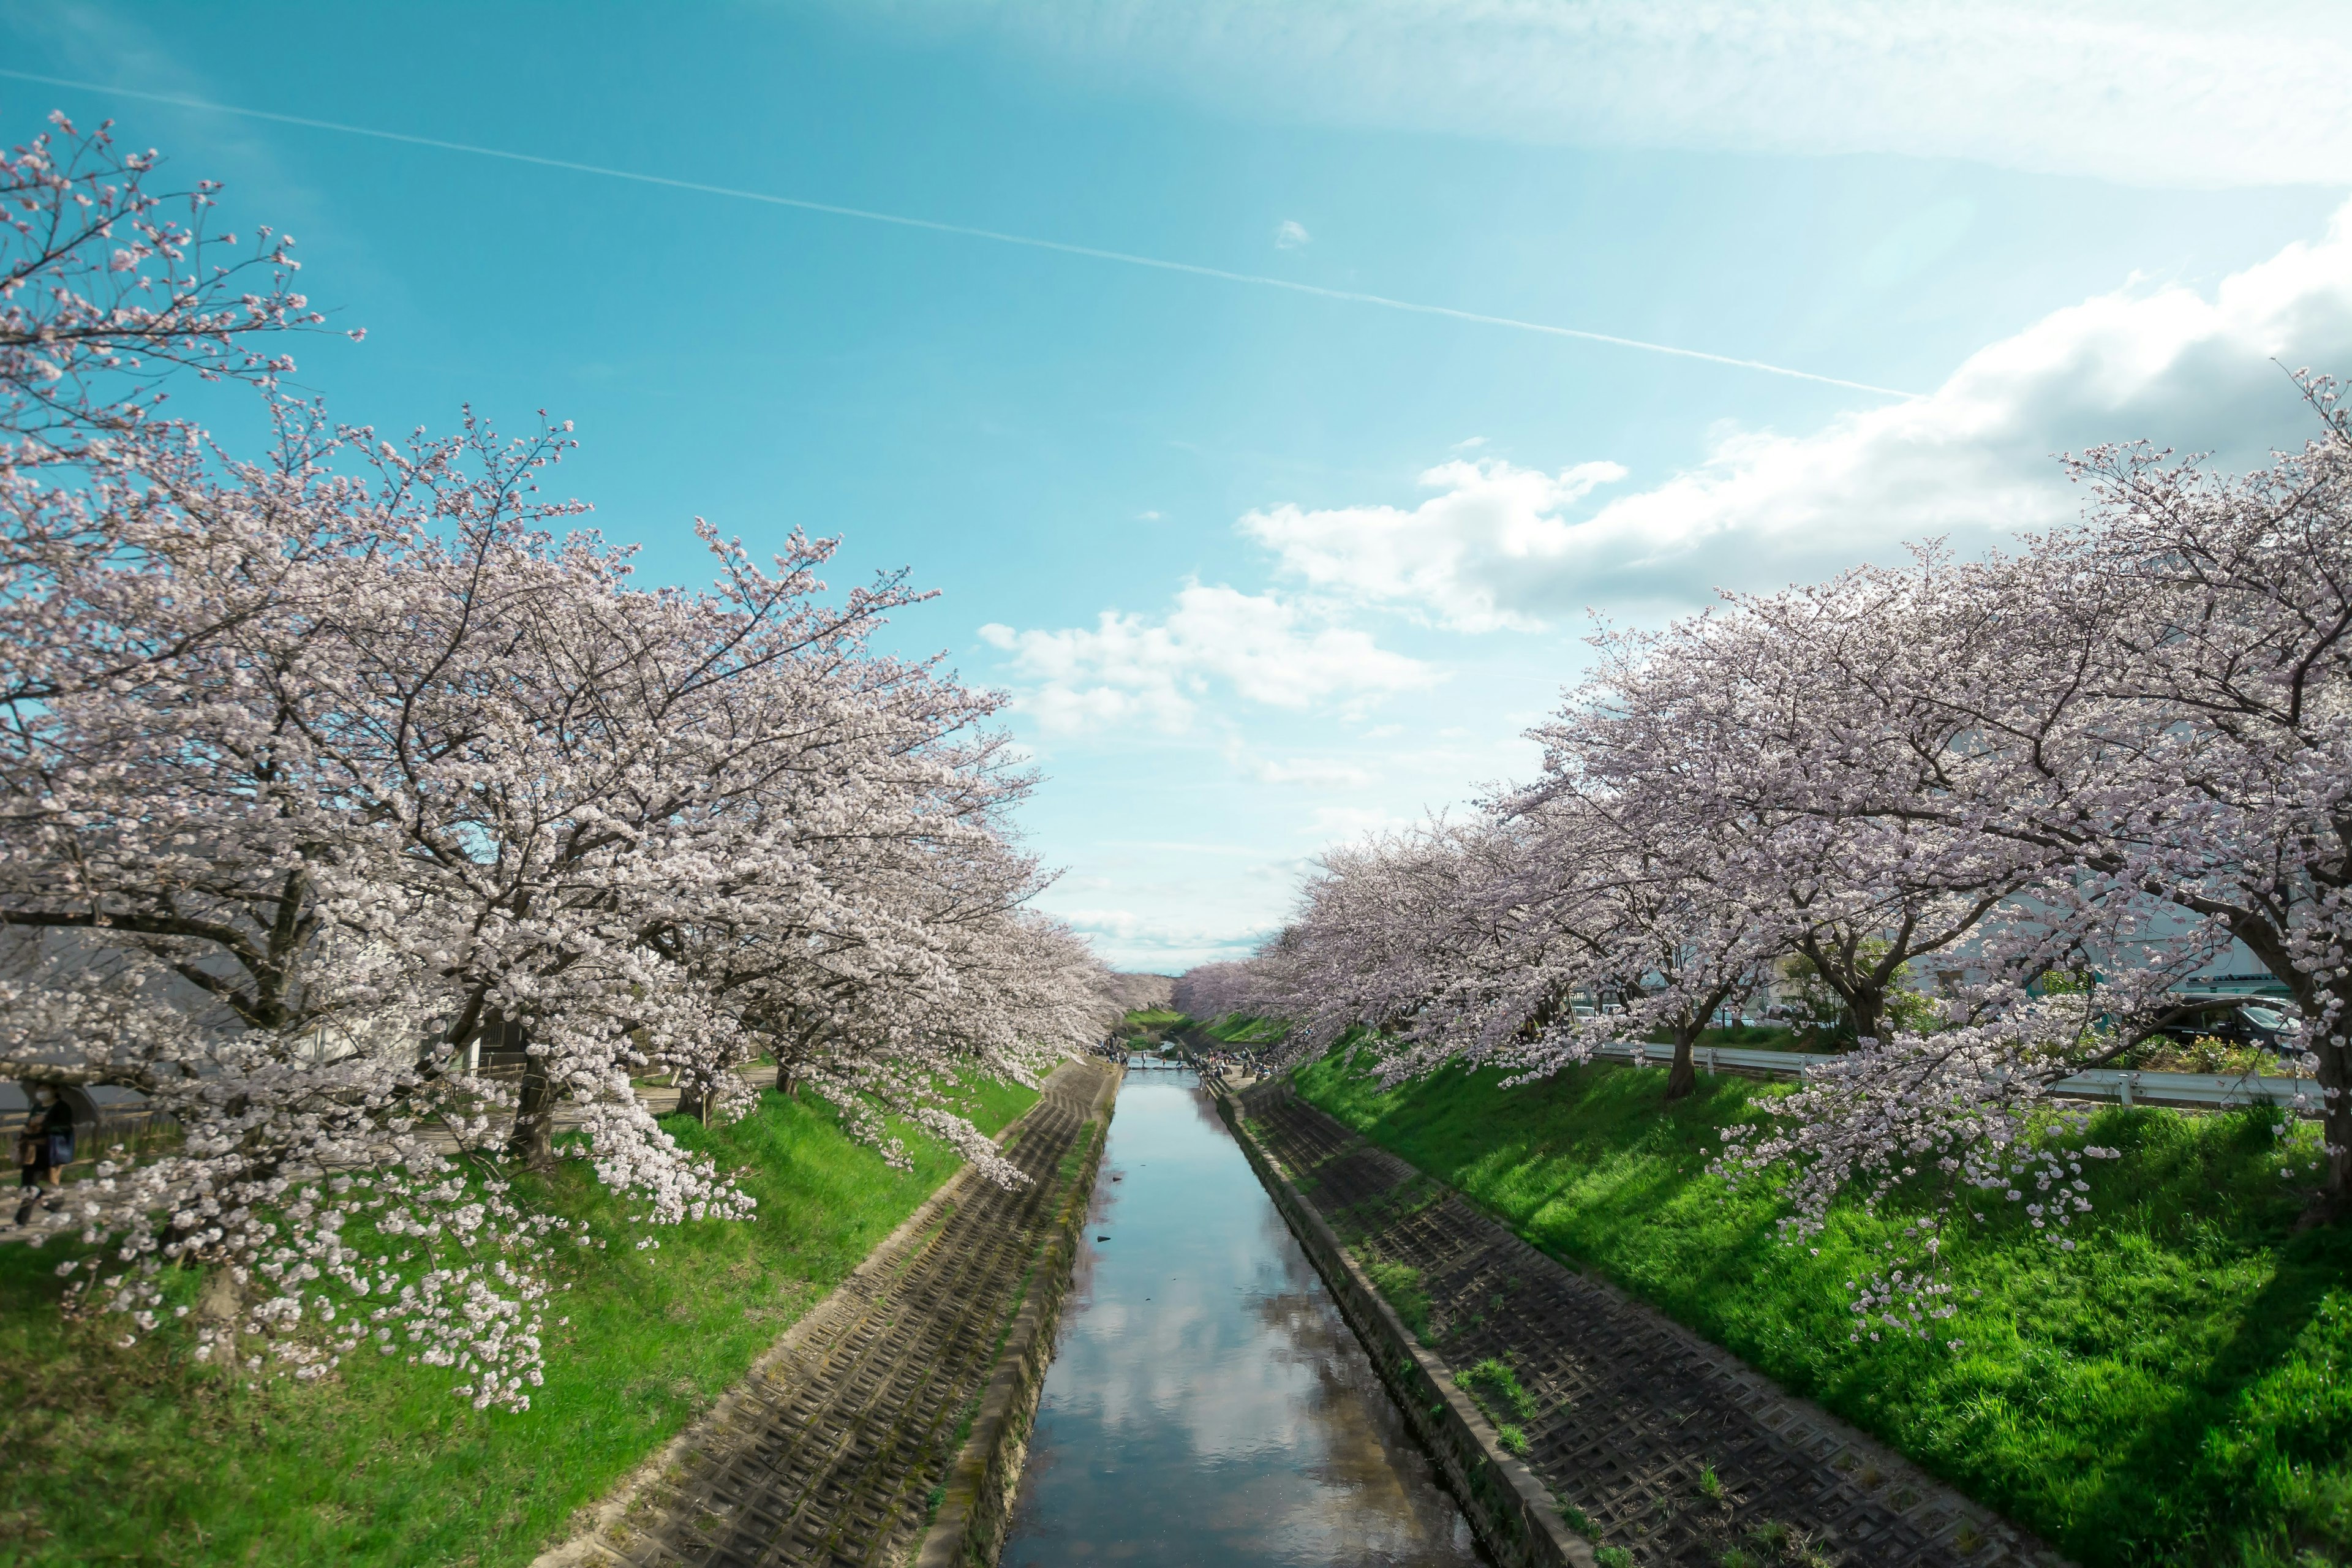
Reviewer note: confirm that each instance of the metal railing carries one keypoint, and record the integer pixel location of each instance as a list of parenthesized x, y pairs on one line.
[(2124, 1086)]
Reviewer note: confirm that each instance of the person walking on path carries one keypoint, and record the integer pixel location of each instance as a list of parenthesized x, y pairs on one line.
[(44, 1148)]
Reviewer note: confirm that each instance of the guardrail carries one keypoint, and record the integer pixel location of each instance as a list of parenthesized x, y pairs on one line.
[(2122, 1085)]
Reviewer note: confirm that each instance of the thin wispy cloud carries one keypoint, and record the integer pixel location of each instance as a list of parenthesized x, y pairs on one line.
[(965, 231), (1291, 236), (2150, 92)]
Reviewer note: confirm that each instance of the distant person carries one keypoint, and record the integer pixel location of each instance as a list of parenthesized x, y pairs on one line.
[(44, 1148)]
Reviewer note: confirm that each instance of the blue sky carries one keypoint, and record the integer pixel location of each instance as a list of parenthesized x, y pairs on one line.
[(1266, 568)]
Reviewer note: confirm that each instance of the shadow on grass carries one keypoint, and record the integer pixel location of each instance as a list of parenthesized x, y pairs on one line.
[(2173, 1391), (2225, 1468), (145, 1456)]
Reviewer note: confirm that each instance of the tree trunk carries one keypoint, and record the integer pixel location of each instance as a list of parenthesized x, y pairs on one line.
[(1857, 983), (2332, 1204), (2317, 997), (1681, 1079), (533, 1139), (1866, 1007)]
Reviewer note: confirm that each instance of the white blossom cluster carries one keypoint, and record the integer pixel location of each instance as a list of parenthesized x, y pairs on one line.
[(1217, 990), (1937, 1112), (1993, 812), (328, 773)]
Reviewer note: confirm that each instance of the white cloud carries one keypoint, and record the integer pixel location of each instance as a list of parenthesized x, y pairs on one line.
[(1291, 235), (1315, 773), (1503, 546), (2163, 92), (1132, 936), (1263, 649), (1453, 554), (1146, 517)]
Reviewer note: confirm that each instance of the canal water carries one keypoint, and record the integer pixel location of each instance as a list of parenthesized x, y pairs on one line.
[(1207, 1405)]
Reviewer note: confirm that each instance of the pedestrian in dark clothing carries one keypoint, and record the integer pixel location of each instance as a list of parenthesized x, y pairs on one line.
[(44, 1148)]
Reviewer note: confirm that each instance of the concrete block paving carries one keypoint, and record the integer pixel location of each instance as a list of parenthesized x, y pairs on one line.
[(1634, 1413), (830, 1453)]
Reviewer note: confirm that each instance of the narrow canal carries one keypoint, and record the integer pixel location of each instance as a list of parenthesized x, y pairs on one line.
[(1207, 1403)]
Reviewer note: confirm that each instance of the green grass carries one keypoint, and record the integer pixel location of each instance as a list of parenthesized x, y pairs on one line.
[(1157, 1018), (1493, 1380), (1495, 1388), (1399, 1285), (1239, 1029), (2177, 1391), (146, 1457), (1758, 1037)]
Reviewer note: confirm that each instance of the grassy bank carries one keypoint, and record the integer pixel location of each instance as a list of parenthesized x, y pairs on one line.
[(147, 1457), (2179, 1390)]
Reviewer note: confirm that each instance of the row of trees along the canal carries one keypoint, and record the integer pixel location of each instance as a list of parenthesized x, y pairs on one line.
[(324, 767), (2061, 780)]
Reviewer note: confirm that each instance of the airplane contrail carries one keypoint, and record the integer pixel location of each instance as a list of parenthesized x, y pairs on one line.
[(965, 231)]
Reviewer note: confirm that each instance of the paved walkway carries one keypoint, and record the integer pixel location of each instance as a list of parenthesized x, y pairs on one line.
[(1632, 1409), (829, 1453)]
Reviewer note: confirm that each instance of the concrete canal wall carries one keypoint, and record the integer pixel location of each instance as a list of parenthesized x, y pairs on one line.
[(968, 1532), (843, 1437), (1506, 1505), (1647, 1435)]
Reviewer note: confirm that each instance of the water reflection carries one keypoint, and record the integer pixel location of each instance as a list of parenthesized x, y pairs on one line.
[(1207, 1405)]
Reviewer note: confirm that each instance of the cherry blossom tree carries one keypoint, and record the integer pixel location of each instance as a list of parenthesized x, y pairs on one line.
[(1376, 938), (1628, 934), (316, 772), (109, 285), (1214, 991), (2166, 707), (2067, 778)]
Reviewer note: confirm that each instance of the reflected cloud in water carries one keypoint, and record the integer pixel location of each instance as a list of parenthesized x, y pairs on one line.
[(1207, 1403)]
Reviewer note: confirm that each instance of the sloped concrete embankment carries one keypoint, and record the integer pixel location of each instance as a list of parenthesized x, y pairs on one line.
[(1507, 1504), (1662, 1443), (976, 1508), (834, 1449)]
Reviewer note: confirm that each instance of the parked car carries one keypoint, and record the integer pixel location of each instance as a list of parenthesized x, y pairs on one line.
[(2264, 1021)]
